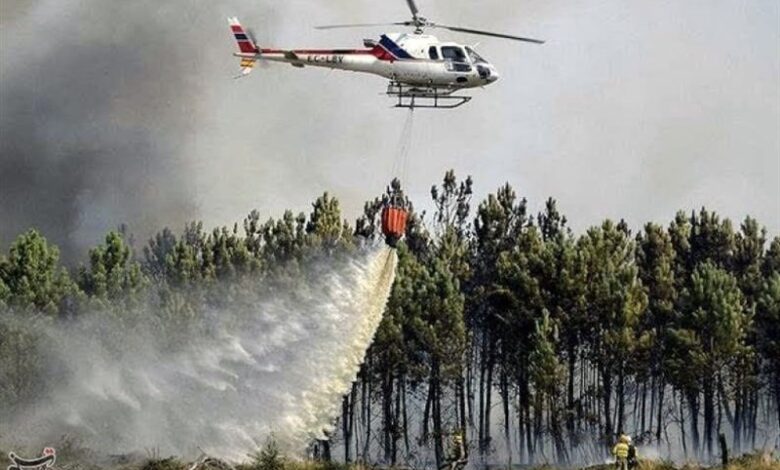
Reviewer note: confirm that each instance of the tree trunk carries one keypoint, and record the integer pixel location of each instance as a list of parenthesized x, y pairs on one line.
[(561, 455), (470, 388), (709, 416), (693, 403), (387, 415), (324, 453), (426, 414), (572, 359), (505, 406), (482, 373), (520, 430), (644, 406), (405, 416), (525, 413), (606, 383), (661, 390), (461, 392), (346, 425), (367, 391), (777, 395), (682, 424), (438, 434), (396, 419), (621, 412), (488, 404)]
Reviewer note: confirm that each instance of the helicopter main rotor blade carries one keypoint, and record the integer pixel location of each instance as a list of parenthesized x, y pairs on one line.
[(360, 25), (485, 33), (413, 8)]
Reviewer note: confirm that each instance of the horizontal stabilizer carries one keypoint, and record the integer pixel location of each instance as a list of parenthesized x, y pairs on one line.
[(295, 61)]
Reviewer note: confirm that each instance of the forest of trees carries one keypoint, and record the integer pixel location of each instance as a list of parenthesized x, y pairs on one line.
[(536, 343)]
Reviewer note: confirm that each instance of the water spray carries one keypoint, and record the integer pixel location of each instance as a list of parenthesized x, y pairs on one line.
[(275, 364)]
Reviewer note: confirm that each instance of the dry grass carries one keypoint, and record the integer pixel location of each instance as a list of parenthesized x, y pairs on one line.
[(757, 461)]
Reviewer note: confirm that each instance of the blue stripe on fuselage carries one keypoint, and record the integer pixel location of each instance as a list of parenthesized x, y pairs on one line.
[(394, 48)]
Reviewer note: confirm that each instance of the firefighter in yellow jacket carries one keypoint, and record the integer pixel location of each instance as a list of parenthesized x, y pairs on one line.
[(620, 451)]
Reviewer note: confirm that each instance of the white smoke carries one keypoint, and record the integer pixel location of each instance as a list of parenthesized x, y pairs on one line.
[(282, 369)]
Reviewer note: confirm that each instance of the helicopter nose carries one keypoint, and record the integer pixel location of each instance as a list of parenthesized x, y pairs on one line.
[(494, 76)]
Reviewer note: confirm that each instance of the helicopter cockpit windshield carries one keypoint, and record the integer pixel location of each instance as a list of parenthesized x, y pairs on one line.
[(475, 58)]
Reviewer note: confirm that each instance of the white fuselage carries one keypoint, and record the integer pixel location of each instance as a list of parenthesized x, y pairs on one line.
[(411, 59)]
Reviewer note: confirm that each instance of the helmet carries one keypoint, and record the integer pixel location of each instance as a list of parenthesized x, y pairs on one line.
[(628, 439)]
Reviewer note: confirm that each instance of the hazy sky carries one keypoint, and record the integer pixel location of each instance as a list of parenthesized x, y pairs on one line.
[(116, 111)]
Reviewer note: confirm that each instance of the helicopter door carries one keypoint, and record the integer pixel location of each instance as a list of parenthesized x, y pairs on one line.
[(456, 59)]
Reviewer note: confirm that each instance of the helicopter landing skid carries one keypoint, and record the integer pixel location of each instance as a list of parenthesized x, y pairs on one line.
[(425, 97)]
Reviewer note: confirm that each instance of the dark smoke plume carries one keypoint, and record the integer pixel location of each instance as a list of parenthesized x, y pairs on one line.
[(92, 117)]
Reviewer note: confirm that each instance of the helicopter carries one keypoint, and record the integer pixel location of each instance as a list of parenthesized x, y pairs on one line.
[(424, 72)]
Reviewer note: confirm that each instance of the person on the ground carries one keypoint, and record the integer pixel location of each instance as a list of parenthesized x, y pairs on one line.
[(620, 451), (632, 458), (457, 452)]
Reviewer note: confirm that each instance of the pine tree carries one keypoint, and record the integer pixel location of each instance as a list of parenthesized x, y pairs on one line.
[(32, 275), (656, 261), (616, 301), (562, 283), (499, 220), (713, 329), (112, 273), (547, 376), (768, 334)]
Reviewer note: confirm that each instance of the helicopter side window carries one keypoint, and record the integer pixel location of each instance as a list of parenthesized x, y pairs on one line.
[(453, 53), (456, 59), (433, 53)]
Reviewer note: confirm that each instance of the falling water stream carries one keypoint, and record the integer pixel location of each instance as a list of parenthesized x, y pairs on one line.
[(282, 369)]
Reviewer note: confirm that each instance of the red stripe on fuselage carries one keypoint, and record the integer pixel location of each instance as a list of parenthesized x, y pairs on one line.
[(382, 54), (378, 52), (318, 51)]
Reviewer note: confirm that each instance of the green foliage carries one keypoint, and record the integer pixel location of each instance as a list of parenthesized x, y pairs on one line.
[(269, 457), (716, 316), (112, 273), (771, 263), (655, 258), (31, 277), (325, 224), (767, 322), (614, 295), (710, 332), (547, 372), (424, 320)]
